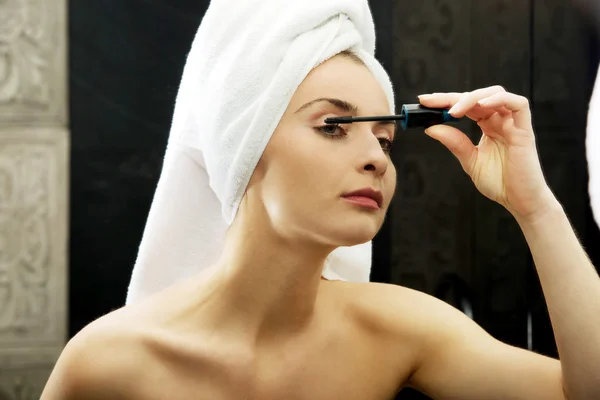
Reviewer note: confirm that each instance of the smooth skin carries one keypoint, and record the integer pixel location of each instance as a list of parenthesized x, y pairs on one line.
[(263, 324)]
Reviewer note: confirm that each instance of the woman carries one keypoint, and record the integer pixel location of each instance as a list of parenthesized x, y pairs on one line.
[(263, 324)]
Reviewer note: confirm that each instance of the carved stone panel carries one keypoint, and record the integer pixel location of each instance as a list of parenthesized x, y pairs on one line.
[(33, 225), (501, 52), (431, 47), (428, 236), (561, 78), (33, 61), (24, 384), (431, 238)]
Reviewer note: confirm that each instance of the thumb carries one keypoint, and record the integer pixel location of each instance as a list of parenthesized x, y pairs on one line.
[(457, 142)]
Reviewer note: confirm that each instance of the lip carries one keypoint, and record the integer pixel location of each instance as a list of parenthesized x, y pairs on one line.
[(369, 193)]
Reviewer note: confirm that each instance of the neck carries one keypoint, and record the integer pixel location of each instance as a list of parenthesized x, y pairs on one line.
[(264, 283)]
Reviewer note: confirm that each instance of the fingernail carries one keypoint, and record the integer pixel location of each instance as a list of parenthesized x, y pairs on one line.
[(423, 95), (453, 109), (483, 102)]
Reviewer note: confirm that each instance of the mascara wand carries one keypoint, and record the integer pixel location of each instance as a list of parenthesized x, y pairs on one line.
[(411, 116)]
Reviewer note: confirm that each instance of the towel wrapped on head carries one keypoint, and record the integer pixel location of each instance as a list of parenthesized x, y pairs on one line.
[(246, 61)]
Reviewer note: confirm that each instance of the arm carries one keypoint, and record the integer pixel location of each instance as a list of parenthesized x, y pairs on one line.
[(457, 359), (504, 167), (572, 290), (461, 361)]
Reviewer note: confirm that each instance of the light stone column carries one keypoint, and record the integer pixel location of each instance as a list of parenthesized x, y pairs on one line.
[(34, 166)]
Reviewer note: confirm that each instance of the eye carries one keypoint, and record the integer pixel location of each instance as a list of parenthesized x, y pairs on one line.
[(386, 144), (333, 131)]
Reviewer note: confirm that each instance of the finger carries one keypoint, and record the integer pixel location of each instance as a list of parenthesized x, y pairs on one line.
[(518, 105), (479, 113), (457, 142), (470, 100), (494, 126), (440, 100)]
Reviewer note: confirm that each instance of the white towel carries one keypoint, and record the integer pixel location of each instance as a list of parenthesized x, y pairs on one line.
[(592, 145), (246, 61)]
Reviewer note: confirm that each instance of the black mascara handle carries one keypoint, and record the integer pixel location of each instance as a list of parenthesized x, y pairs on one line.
[(419, 116)]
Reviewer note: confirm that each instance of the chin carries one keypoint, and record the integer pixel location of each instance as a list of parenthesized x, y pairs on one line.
[(355, 240), (334, 229), (352, 235)]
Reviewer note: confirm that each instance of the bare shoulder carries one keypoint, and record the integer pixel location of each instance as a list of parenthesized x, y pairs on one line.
[(127, 352), (381, 302), (407, 315), (398, 325), (102, 361), (453, 357)]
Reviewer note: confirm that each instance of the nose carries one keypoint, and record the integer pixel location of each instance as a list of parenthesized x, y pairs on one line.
[(374, 159)]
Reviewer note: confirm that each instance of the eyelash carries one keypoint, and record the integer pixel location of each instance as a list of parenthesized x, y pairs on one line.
[(386, 144)]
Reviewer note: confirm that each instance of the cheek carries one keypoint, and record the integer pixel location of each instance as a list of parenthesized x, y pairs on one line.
[(303, 169), (283, 186), (306, 162), (390, 183), (295, 188)]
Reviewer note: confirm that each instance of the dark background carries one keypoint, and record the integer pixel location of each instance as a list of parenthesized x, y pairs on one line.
[(440, 236)]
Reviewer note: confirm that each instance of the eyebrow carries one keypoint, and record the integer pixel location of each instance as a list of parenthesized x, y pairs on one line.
[(344, 106), (340, 104)]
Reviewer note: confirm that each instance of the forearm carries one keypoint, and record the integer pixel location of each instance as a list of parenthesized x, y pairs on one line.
[(571, 288)]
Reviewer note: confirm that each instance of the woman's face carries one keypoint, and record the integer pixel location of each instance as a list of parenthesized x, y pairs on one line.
[(308, 167)]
